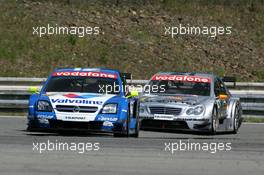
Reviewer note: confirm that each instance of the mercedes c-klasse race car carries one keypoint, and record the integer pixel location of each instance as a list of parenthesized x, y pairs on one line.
[(190, 101), (85, 98)]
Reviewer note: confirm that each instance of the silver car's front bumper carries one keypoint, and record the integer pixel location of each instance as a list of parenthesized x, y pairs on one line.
[(181, 121), (176, 124)]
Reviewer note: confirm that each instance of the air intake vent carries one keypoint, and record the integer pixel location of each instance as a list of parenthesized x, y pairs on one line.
[(165, 110), (81, 109)]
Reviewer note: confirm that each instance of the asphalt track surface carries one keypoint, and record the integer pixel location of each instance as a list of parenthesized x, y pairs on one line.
[(145, 155)]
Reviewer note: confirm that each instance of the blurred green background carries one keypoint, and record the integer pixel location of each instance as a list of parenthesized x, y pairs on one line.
[(132, 37)]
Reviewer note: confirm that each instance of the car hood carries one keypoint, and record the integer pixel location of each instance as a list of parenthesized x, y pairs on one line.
[(175, 99), (80, 99)]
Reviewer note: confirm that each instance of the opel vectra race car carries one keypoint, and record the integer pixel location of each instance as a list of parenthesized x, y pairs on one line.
[(190, 101), (89, 99)]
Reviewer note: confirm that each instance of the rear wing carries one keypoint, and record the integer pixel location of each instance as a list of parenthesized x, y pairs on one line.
[(230, 80)]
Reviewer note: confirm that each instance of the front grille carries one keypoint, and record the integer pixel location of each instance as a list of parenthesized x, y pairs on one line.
[(81, 109), (163, 124), (92, 125), (165, 110)]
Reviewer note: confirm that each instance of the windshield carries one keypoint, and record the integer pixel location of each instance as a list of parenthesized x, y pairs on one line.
[(83, 85), (179, 87)]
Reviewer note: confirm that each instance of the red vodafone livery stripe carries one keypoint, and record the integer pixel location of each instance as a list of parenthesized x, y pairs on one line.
[(182, 78), (86, 74)]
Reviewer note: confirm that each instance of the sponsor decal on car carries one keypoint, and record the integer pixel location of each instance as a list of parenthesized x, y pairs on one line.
[(163, 117), (182, 78), (74, 118), (72, 101), (111, 119), (86, 74), (44, 116)]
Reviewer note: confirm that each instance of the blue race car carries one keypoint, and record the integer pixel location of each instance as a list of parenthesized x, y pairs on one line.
[(87, 99)]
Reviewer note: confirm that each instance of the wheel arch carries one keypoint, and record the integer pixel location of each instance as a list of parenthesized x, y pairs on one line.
[(231, 111)]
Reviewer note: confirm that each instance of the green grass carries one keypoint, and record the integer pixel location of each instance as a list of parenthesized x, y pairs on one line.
[(253, 120), (133, 42), (259, 73)]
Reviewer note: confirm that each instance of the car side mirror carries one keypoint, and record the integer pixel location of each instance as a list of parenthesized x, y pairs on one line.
[(33, 90), (133, 93), (223, 97)]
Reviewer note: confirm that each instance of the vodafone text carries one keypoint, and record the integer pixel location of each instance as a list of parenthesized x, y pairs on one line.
[(86, 74), (182, 78)]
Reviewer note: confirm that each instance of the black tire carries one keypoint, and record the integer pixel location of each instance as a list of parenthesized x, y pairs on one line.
[(29, 129), (125, 134), (236, 120), (215, 121), (136, 134), (31, 126)]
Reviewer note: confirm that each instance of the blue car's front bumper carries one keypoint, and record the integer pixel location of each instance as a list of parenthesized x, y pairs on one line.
[(98, 125)]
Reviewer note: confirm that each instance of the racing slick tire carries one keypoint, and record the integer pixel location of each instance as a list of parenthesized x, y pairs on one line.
[(236, 120), (31, 126), (126, 133), (136, 134), (215, 122)]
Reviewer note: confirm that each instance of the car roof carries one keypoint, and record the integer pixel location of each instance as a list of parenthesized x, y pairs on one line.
[(105, 70), (206, 75)]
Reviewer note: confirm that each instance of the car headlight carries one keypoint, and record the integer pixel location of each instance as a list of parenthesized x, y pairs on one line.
[(195, 111), (43, 105), (109, 109)]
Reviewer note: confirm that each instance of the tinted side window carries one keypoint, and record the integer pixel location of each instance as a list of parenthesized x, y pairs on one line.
[(219, 88)]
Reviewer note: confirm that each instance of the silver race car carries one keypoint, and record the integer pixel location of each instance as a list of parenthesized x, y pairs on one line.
[(190, 101)]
